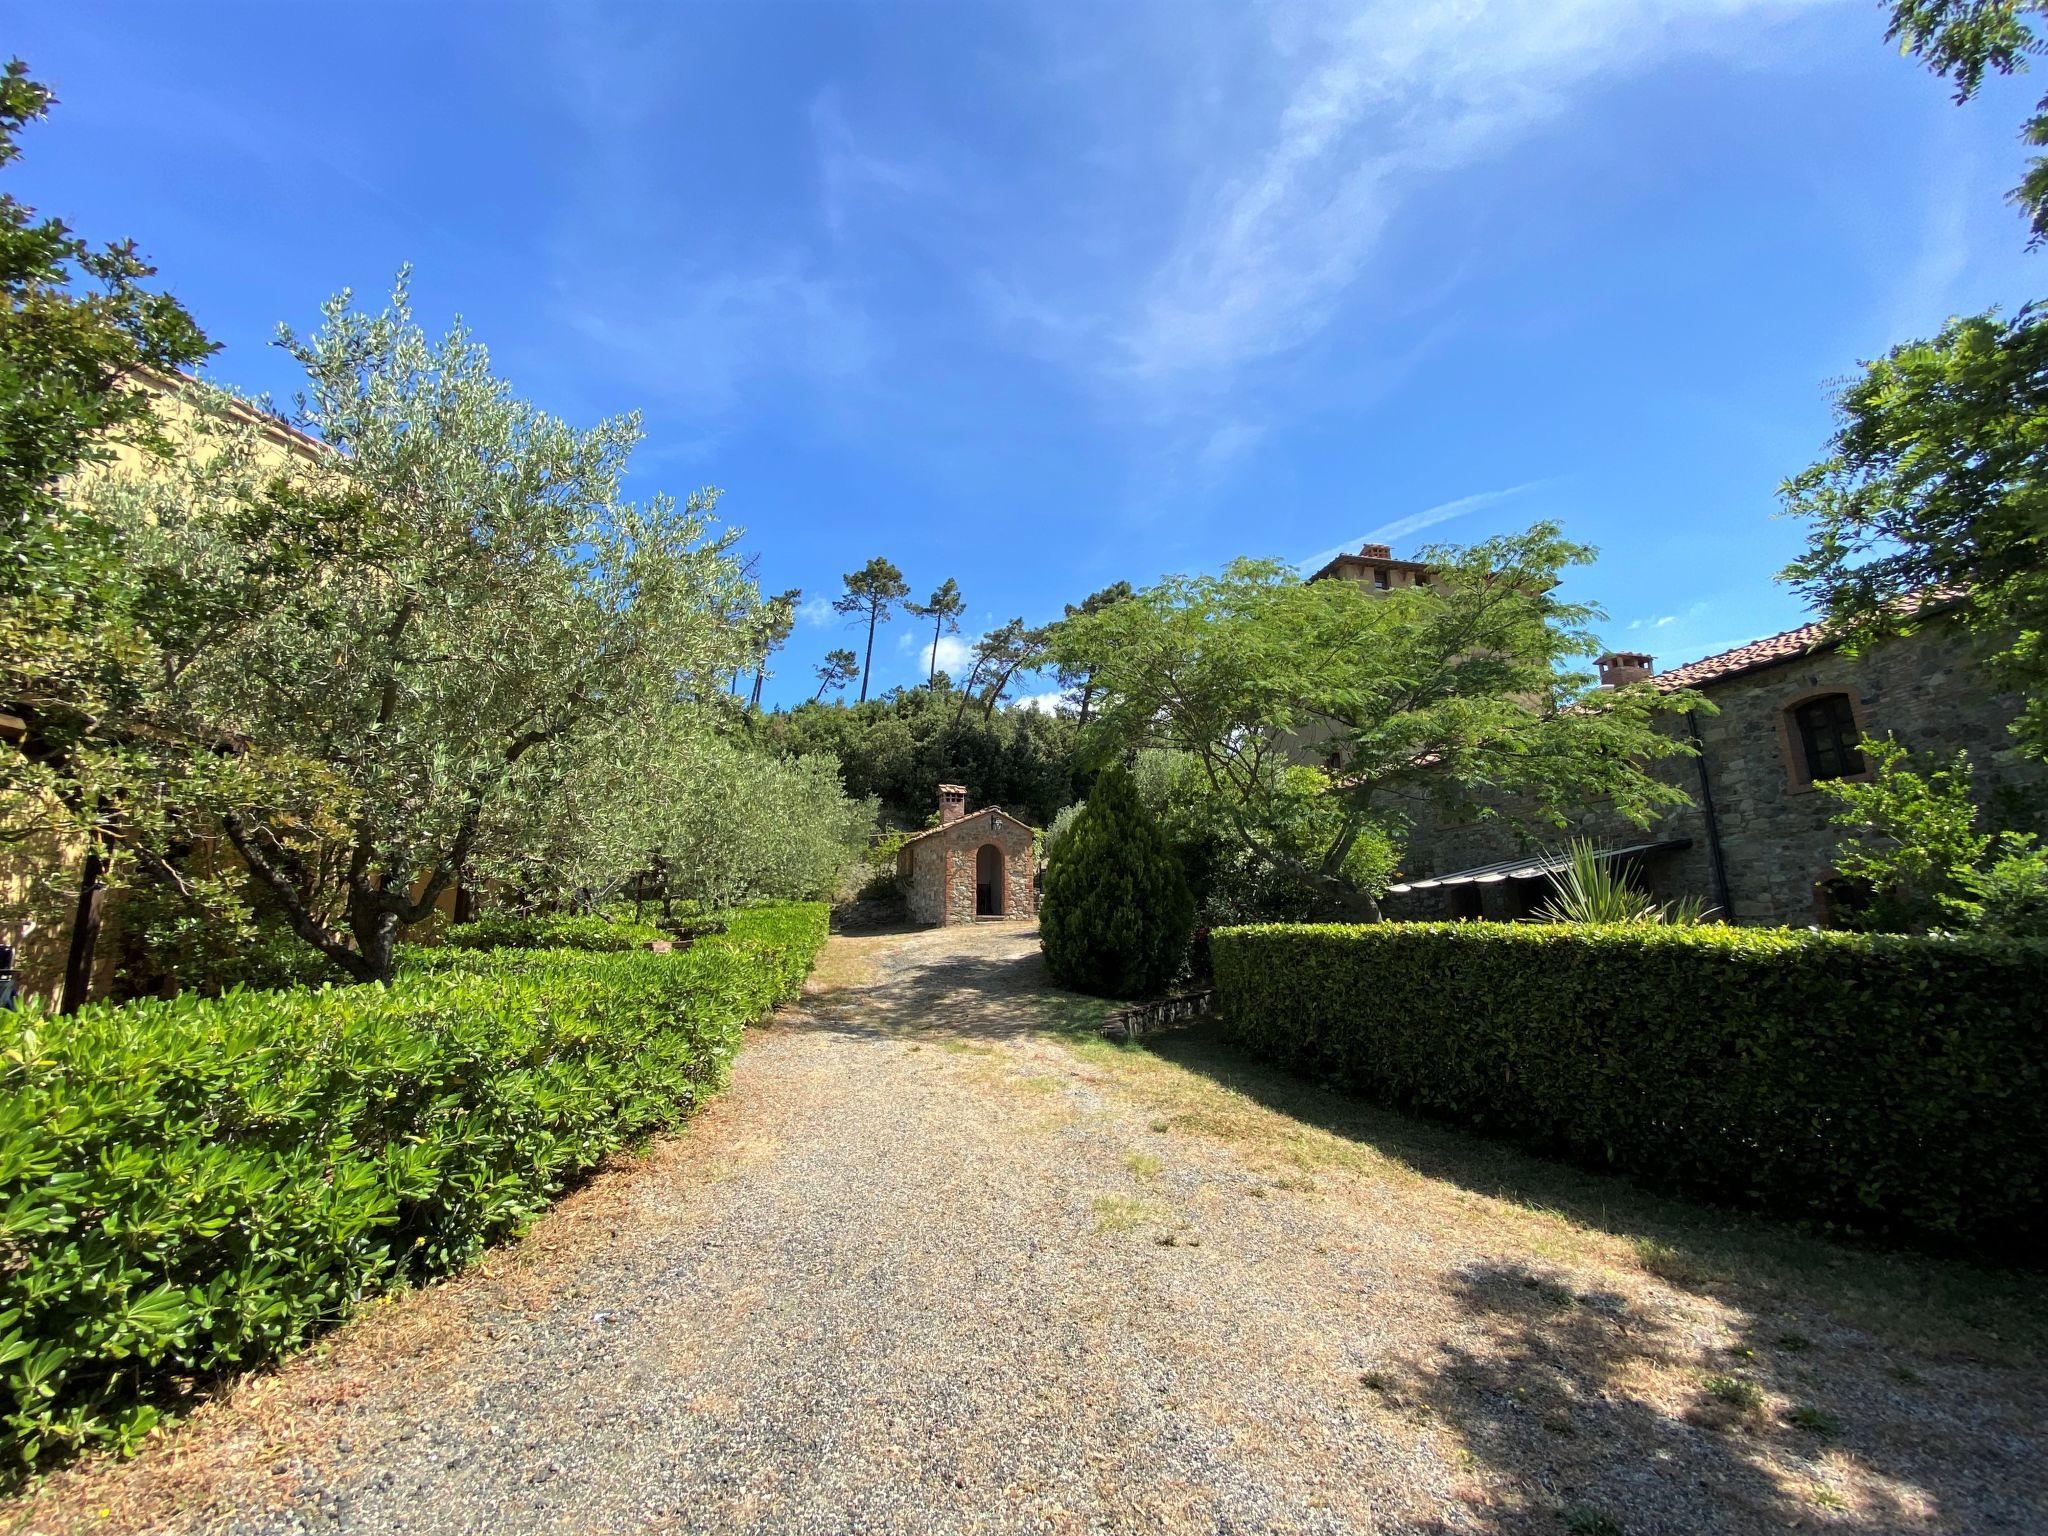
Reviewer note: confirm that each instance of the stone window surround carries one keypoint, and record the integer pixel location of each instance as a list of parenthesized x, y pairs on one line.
[(1797, 780)]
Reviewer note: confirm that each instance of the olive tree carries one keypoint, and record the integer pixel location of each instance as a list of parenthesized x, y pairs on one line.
[(453, 586)]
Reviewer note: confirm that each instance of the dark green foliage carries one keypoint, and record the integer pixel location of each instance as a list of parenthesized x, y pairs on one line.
[(899, 749), (1883, 1081), (1116, 914), (193, 1187), (553, 930)]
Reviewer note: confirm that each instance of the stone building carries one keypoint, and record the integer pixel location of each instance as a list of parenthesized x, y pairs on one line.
[(1755, 840), (969, 867)]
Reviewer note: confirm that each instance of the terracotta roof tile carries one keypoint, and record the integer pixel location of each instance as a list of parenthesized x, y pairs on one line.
[(1788, 645), (947, 826)]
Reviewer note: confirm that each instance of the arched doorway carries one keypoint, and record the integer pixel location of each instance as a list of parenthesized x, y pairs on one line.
[(988, 881)]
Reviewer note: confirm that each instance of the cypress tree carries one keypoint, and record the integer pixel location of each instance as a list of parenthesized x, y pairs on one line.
[(1116, 913)]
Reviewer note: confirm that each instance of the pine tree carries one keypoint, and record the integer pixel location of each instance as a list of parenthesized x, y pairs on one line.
[(1116, 914)]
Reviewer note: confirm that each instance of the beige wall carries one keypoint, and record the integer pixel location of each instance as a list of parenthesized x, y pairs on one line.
[(42, 950)]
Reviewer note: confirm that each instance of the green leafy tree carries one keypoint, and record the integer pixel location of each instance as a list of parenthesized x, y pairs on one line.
[(1229, 883), (1116, 914), (454, 588), (686, 793), (839, 668), (1963, 41), (1936, 493), (1077, 681), (872, 593), (1916, 848), (943, 608), (900, 747), (999, 656), (1934, 483), (78, 323), (777, 621), (1318, 710)]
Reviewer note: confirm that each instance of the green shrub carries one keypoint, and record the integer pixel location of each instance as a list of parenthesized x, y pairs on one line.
[(194, 1186), (1116, 913), (1885, 1081), (553, 930)]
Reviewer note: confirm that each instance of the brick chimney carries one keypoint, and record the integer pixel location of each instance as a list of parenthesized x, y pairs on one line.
[(1618, 668), (952, 803), (1375, 551)]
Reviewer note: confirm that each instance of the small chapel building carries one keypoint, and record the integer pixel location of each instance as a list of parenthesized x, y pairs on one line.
[(971, 867)]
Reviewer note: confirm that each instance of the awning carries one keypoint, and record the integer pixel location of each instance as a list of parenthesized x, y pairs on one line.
[(1530, 869)]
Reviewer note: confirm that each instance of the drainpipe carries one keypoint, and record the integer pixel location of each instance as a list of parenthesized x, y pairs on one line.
[(1714, 859)]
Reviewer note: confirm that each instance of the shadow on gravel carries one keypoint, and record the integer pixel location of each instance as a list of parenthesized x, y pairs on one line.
[(987, 993), (1545, 1400), (1546, 1388), (1725, 1254)]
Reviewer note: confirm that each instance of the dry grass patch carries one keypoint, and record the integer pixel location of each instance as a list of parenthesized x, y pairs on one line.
[(1194, 1082), (1124, 1213)]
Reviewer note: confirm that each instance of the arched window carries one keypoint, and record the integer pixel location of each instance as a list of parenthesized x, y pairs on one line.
[(1825, 732)]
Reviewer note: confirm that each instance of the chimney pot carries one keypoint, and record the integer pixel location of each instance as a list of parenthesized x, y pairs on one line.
[(1376, 551), (1618, 668), (952, 803)]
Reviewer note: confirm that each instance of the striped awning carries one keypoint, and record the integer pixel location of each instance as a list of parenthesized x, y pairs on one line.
[(1526, 868)]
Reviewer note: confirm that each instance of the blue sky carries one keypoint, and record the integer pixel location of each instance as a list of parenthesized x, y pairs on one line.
[(1040, 297)]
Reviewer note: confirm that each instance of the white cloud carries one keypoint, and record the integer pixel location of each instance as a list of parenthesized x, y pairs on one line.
[(1044, 703), (955, 654), (1415, 522), (816, 612), (1666, 620)]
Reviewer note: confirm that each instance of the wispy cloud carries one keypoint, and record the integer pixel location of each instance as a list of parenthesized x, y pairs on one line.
[(1336, 122), (692, 317), (1045, 703), (852, 173), (815, 613), (1666, 620), (699, 336), (1415, 522)]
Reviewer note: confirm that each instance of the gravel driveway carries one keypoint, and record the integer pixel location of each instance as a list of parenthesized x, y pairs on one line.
[(938, 1263)]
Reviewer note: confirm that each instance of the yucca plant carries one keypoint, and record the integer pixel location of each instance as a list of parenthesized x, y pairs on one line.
[(1592, 888)]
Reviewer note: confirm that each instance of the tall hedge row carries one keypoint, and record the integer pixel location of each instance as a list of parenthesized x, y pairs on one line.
[(194, 1186), (1887, 1082)]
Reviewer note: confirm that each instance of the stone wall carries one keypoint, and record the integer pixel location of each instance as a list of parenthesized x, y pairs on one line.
[(925, 897), (1925, 689), (942, 871)]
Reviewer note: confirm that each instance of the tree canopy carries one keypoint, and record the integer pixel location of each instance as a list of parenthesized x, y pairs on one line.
[(1935, 485), (1320, 713), (872, 593), (898, 749), (453, 587)]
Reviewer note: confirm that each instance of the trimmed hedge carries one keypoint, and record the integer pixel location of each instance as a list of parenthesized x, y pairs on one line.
[(552, 930), (1882, 1081), (194, 1186)]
